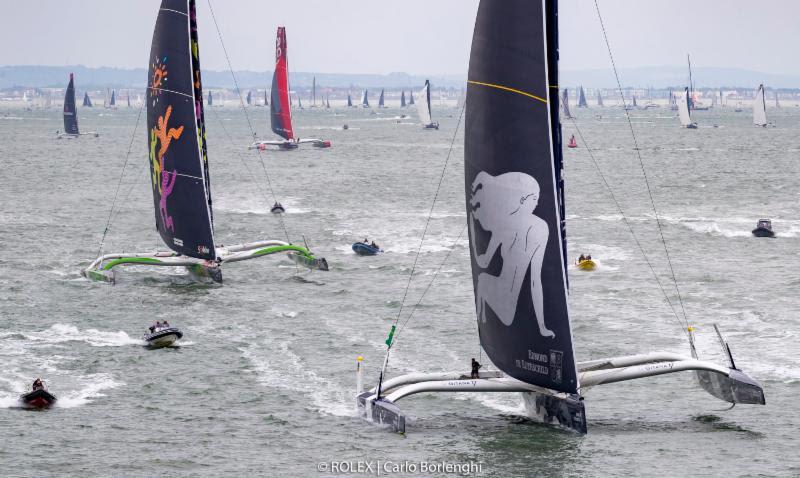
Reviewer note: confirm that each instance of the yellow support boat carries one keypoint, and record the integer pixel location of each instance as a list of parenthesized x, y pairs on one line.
[(586, 265)]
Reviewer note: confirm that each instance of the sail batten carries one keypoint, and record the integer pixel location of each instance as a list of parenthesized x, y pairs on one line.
[(176, 134), (514, 193)]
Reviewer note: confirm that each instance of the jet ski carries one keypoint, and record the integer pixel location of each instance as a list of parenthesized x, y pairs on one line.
[(277, 208), (763, 229), (38, 398), (162, 337), (364, 249)]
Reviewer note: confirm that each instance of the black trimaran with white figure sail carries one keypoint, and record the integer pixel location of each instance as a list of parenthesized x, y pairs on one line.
[(515, 213), (280, 108), (71, 113), (176, 141)]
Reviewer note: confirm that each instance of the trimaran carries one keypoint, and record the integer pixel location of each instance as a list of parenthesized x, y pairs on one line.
[(515, 212), (71, 113), (176, 141), (280, 111)]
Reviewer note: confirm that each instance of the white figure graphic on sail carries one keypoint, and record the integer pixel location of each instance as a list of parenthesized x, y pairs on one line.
[(504, 206)]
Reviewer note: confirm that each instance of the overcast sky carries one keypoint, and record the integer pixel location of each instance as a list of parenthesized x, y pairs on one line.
[(429, 37)]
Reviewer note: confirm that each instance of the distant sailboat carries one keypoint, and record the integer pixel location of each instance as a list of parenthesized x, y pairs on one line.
[(210, 99), (759, 108), (349, 101), (299, 102), (514, 195), (280, 106), (599, 98), (380, 100), (266, 101), (71, 114), (683, 111), (87, 102), (327, 102), (582, 99), (402, 99), (178, 161), (128, 98), (714, 101), (410, 98), (777, 103), (673, 104), (565, 104), (424, 107), (113, 101), (314, 92), (365, 99), (249, 98)]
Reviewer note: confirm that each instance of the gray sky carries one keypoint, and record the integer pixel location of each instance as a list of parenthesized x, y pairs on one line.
[(415, 36)]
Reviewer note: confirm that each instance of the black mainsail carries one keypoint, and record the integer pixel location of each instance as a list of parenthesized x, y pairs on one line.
[(402, 99), (582, 99), (515, 193), (70, 109), (86, 100), (380, 100), (176, 134)]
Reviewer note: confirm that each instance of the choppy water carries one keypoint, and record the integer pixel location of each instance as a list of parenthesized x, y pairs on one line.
[(264, 381)]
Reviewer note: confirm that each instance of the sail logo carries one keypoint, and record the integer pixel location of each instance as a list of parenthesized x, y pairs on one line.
[(556, 361), (203, 249), (177, 242), (504, 206), (163, 180)]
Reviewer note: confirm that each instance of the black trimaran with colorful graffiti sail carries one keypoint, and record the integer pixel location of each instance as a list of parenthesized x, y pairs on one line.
[(71, 113), (515, 214), (280, 111), (176, 140)]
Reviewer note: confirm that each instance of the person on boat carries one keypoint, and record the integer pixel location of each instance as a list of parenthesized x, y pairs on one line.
[(165, 324), (152, 328), (37, 384), (365, 241), (589, 257), (475, 367), (373, 245), (504, 207), (581, 258)]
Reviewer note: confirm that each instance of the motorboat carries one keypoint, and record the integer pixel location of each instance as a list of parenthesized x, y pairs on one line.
[(277, 208), (162, 337), (586, 264), (39, 397), (764, 229), (364, 249)]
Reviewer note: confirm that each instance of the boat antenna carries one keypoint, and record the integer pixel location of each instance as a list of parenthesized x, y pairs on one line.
[(390, 339), (644, 172), (247, 116)]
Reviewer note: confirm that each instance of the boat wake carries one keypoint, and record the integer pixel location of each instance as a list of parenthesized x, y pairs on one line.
[(59, 333)]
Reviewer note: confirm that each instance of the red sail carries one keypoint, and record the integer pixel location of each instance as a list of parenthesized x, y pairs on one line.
[(280, 111)]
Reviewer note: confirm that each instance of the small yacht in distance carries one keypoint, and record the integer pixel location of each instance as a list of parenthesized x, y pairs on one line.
[(277, 208), (763, 229), (162, 335)]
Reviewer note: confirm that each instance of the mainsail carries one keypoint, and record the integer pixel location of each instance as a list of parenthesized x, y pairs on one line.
[(176, 134), (582, 99), (515, 194), (365, 99), (327, 102), (759, 108), (565, 104), (424, 106), (210, 99), (380, 100), (86, 100), (266, 101), (280, 108), (70, 109), (402, 99), (683, 109)]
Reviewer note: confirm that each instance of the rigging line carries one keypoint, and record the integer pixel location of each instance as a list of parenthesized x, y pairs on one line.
[(119, 183), (430, 214), (250, 171), (435, 274), (641, 165), (244, 110), (627, 223)]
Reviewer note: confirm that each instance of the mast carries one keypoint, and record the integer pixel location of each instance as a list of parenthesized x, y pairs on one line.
[(280, 106), (176, 134), (514, 191), (70, 109)]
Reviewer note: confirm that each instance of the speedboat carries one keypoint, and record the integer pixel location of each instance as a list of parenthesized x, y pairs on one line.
[(163, 337), (277, 208), (39, 398), (764, 229), (364, 249), (433, 125), (586, 264)]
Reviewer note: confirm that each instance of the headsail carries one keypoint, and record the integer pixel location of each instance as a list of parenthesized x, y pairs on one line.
[(280, 107), (565, 104), (759, 108), (403, 99), (582, 99), (514, 200), (86, 100), (70, 109), (424, 105), (683, 109), (176, 134), (380, 100)]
